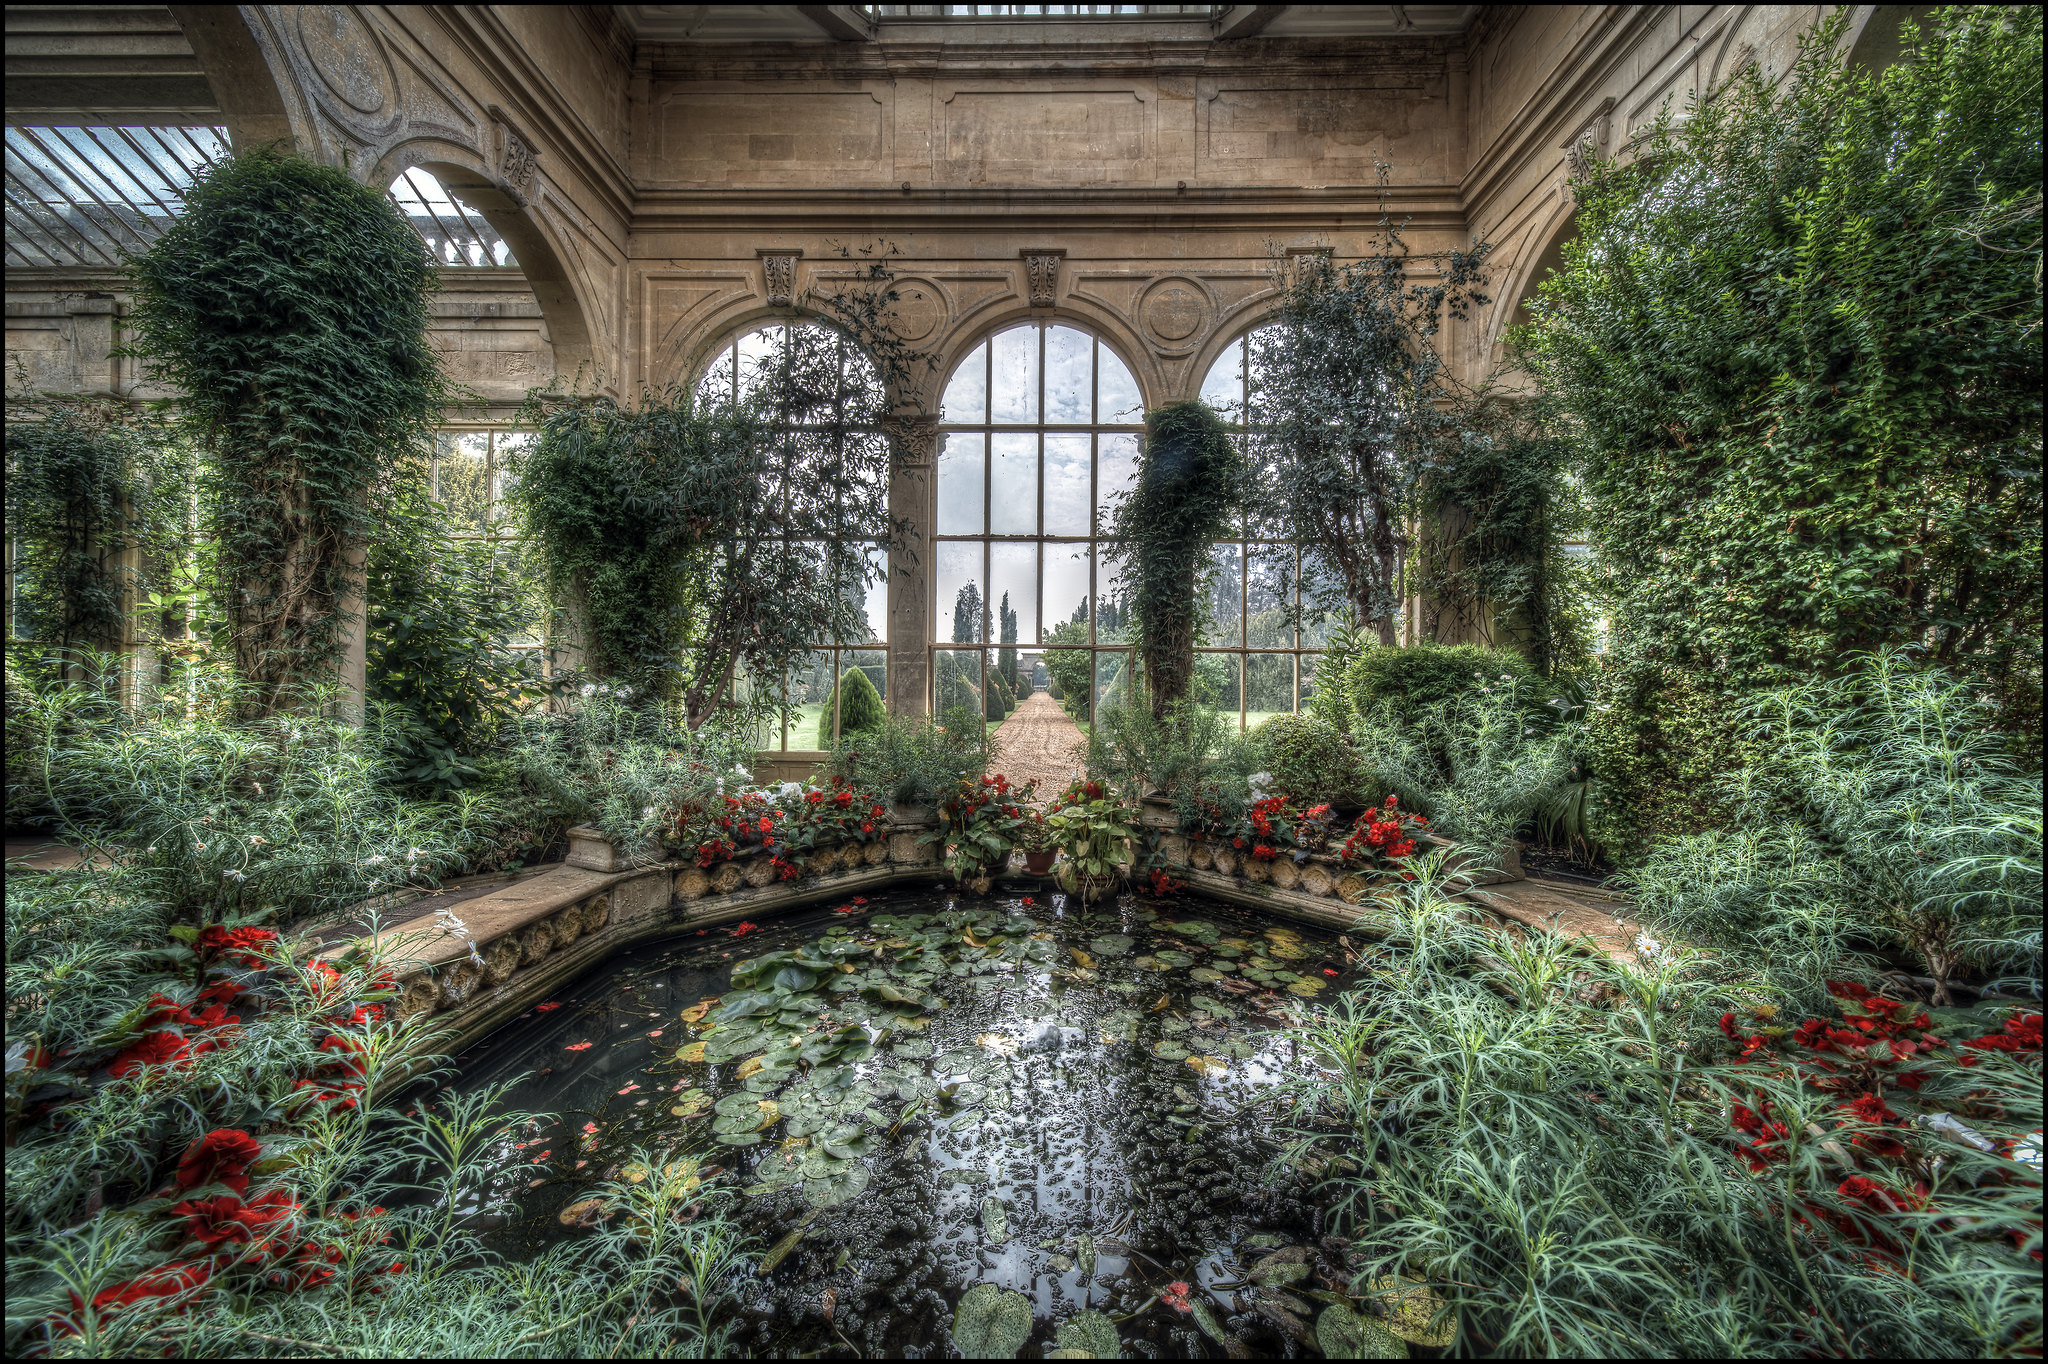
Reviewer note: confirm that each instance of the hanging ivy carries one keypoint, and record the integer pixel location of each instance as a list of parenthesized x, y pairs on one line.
[(1188, 494), (705, 542), (288, 307), (88, 481)]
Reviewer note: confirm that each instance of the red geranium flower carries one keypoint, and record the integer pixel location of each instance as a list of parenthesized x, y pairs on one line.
[(162, 1282), (1176, 1296), (156, 1049), (222, 1156)]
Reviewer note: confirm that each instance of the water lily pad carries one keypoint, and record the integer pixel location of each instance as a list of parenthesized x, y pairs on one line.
[(999, 1098), (1175, 1024), (695, 1013), (1112, 944), (995, 1222), (991, 1323), (1084, 1255), (779, 1252), (1282, 1267), (969, 1094), (842, 1187), (691, 1103), (846, 1142), (1174, 958), (1210, 1006), (733, 1104), (1343, 1334), (1209, 1065), (1204, 975), (913, 1048), (818, 1164), (738, 1138), (963, 1176), (692, 1054), (1169, 1051), (746, 1004), (1147, 963), (1411, 1305), (1206, 1319), (1306, 986), (1090, 1335)]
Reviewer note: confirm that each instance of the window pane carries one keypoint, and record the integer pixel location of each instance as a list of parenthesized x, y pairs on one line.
[(1113, 623), (1223, 622), (459, 479), (1013, 576), (756, 349), (1267, 594), (1015, 376), (959, 594), (967, 396), (1116, 470), (1068, 375), (1066, 485), (767, 731), (1114, 683), (960, 484), (510, 444), (1013, 493), (875, 601), (1269, 686), (1308, 674), (1322, 600), (873, 662), (1219, 682), (1066, 588), (717, 383), (1116, 400), (1223, 389), (956, 680), (810, 685)]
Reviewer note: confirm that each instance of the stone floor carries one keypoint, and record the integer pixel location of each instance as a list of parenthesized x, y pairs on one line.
[(1039, 742), (1569, 910)]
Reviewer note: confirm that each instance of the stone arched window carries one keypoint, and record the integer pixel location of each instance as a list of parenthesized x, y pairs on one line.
[(1039, 429), (809, 719), (1253, 659)]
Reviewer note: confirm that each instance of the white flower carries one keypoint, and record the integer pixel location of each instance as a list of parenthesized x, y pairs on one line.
[(590, 689), (789, 788), (372, 861), (2028, 1150), (1259, 782), (233, 875), (647, 812), (1650, 950), (256, 840), (623, 692)]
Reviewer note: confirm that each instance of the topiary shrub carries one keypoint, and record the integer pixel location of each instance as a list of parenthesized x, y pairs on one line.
[(1310, 760), (1404, 684), (859, 704)]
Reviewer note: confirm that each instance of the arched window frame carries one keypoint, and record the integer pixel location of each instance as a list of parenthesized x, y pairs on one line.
[(998, 553), (806, 690)]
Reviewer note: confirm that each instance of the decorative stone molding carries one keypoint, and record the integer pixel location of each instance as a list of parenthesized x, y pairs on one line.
[(778, 274), (917, 441), (1042, 275), (516, 160), (1589, 143)]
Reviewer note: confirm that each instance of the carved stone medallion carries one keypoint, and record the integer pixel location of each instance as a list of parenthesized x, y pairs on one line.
[(915, 313), (1173, 310), (346, 55)]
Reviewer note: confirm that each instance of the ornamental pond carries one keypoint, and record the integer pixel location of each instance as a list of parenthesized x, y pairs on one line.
[(917, 1094)]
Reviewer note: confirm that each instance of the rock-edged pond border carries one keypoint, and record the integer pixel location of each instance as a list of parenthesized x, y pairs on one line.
[(525, 942)]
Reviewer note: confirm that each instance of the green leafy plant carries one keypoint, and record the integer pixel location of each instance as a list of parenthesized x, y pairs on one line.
[(1796, 344), (443, 611), (1883, 811), (913, 760), (287, 305), (980, 822), (1188, 492), (1093, 830), (1343, 410), (1310, 760), (1369, 685)]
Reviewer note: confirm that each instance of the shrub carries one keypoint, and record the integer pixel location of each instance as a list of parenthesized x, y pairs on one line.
[(1311, 761), (1797, 344), (1405, 685), (443, 612), (913, 760), (858, 704), (1884, 811)]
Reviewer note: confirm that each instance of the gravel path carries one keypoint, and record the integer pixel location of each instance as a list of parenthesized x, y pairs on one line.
[(1039, 742)]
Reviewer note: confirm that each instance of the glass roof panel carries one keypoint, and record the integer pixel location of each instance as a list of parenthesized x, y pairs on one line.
[(90, 196)]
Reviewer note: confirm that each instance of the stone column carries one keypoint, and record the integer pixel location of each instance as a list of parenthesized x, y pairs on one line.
[(355, 632), (911, 565)]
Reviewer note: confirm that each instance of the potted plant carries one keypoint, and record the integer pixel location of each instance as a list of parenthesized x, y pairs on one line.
[(979, 823), (1094, 830), (1036, 839)]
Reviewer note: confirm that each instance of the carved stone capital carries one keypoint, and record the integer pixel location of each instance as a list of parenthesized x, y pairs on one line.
[(1042, 275), (917, 440), (778, 274), (1589, 143)]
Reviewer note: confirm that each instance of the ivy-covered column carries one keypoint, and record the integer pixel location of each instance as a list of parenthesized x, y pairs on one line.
[(911, 565)]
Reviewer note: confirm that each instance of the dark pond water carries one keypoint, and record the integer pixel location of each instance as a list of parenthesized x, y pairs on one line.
[(1007, 1091)]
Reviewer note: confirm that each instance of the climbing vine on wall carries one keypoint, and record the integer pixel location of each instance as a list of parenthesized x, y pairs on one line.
[(288, 306)]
